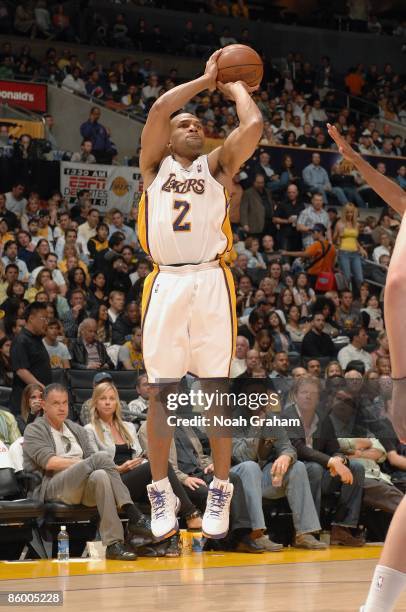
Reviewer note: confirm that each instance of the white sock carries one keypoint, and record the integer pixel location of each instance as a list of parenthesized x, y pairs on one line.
[(162, 484), (218, 483), (387, 584)]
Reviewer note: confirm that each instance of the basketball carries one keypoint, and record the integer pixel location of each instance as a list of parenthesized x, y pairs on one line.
[(240, 63)]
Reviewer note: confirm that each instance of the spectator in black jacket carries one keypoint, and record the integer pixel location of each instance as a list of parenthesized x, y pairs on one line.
[(104, 257), (328, 470), (316, 343), (125, 323), (254, 325), (87, 352)]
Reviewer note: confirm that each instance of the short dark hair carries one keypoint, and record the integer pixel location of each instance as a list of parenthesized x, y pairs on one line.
[(315, 314), (140, 375), (54, 322), (48, 255), (33, 308), (255, 316), (9, 243), (71, 229), (357, 365), (102, 224), (52, 388), (82, 293), (116, 239), (11, 265), (352, 333)]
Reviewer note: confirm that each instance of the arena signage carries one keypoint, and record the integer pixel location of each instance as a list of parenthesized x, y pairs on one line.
[(110, 186), (32, 96)]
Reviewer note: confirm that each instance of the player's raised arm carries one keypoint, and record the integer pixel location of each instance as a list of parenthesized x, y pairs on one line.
[(155, 135), (389, 191), (242, 142)]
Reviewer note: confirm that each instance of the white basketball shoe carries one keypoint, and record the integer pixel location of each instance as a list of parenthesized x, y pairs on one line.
[(164, 508), (216, 518)]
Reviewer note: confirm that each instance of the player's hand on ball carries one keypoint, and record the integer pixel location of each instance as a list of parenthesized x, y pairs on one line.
[(212, 70), (229, 89)]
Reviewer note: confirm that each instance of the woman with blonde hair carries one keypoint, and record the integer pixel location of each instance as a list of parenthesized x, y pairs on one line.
[(68, 252), (333, 369), (108, 432), (350, 251)]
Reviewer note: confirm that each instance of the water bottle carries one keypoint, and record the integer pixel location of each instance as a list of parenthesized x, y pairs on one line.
[(63, 544)]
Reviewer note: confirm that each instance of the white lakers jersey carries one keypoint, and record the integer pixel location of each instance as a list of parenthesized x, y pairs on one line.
[(183, 215)]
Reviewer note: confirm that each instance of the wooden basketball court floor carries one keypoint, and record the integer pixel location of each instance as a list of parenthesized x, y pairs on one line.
[(335, 580)]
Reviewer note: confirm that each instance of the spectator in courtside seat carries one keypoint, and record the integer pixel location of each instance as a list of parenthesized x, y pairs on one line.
[(271, 446), (108, 432), (328, 469), (73, 473)]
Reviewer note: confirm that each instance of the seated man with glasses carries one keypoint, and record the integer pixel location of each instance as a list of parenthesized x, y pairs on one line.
[(59, 450)]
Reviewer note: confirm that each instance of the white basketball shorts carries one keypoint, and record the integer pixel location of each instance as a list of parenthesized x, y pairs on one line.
[(188, 321)]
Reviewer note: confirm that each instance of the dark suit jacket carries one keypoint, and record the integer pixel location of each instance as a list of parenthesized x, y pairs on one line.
[(79, 355), (325, 443)]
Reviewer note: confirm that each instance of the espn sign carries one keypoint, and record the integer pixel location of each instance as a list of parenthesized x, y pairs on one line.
[(31, 96)]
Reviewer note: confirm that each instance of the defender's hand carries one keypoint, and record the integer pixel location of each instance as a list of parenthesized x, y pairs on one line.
[(344, 148)]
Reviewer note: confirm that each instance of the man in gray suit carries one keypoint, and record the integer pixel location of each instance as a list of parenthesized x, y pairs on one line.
[(59, 451), (256, 210)]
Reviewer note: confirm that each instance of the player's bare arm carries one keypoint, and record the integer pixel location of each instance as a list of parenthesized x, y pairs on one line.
[(389, 191), (225, 161), (156, 133)]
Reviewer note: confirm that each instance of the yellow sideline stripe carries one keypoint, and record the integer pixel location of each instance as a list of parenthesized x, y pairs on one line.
[(195, 561)]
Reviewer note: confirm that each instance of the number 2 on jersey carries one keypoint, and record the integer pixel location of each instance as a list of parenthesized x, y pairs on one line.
[(179, 225)]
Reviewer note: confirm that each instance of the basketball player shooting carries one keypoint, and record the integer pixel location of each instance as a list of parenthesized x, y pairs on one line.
[(390, 574), (188, 311)]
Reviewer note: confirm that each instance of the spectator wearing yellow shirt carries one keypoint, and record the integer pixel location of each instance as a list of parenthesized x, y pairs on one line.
[(45, 230), (130, 354), (9, 276), (71, 260)]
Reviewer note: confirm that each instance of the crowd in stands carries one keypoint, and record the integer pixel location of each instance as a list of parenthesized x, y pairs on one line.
[(309, 273), (296, 100), (310, 327), (77, 20)]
